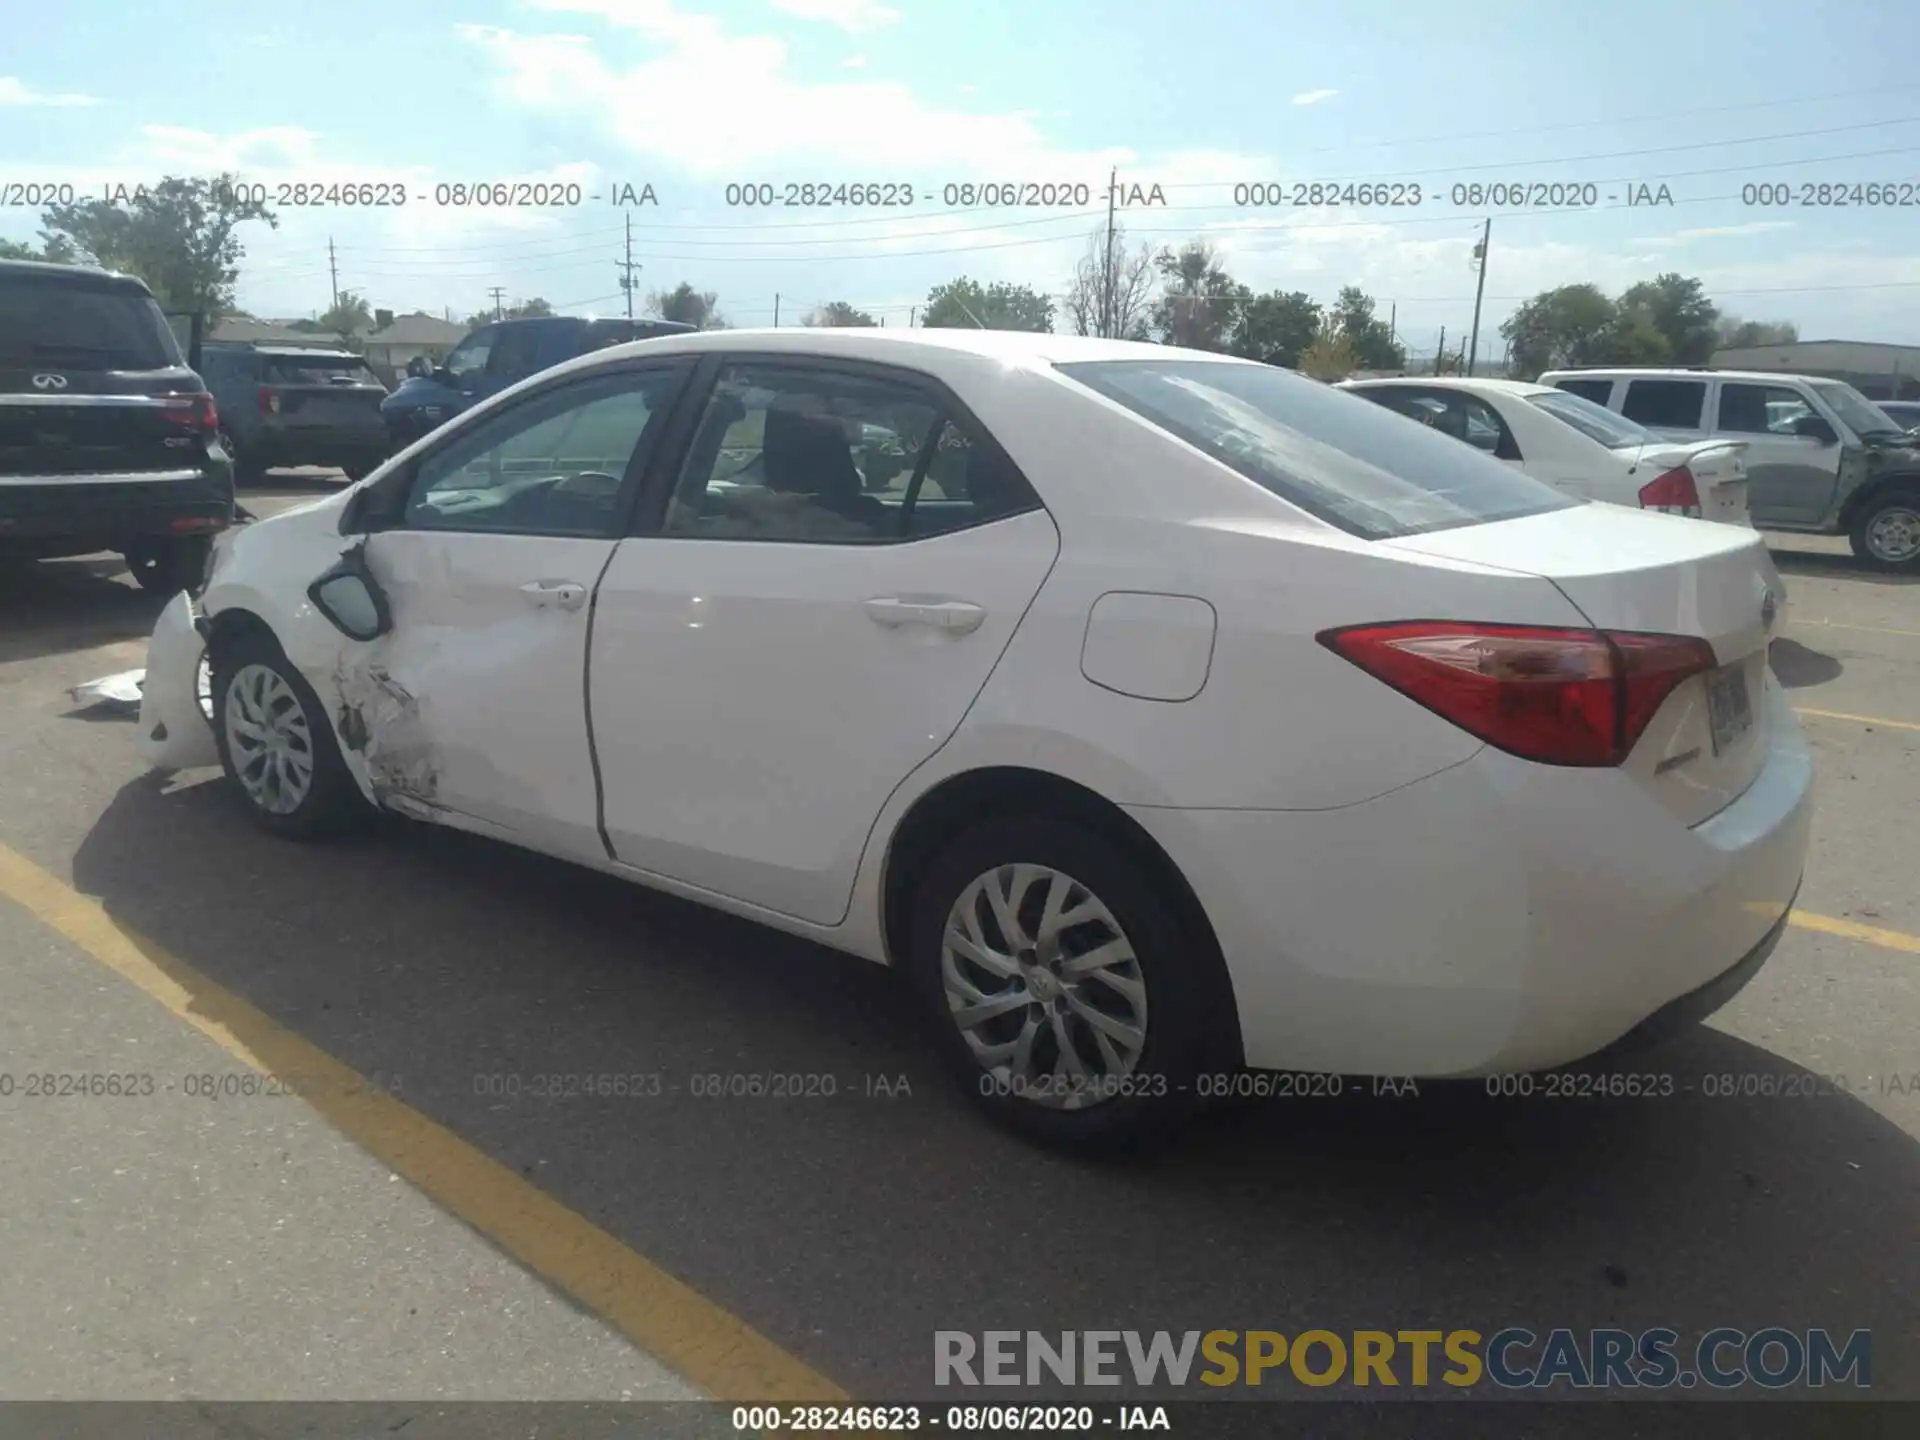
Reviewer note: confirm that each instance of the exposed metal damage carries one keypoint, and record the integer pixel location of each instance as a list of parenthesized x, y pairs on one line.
[(379, 720)]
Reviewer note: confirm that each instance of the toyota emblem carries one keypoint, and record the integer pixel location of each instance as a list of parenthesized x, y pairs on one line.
[(49, 382)]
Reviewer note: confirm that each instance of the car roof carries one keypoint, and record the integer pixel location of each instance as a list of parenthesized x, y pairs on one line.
[(75, 275), (1671, 372), (905, 346), (1472, 386), (533, 321)]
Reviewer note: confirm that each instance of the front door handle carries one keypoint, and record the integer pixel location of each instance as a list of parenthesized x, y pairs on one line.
[(554, 594), (958, 616)]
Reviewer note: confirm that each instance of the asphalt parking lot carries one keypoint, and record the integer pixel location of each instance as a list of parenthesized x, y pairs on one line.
[(443, 1238)]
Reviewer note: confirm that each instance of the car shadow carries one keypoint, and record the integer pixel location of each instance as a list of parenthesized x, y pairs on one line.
[(76, 605), (1822, 564), (849, 1224), (1798, 667), (304, 481)]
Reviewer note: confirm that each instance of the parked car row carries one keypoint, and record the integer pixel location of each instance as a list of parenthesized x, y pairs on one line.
[(1162, 713), (1821, 458)]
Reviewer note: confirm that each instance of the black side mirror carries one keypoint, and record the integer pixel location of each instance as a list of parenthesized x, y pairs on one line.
[(351, 599), (418, 367), (1815, 427)]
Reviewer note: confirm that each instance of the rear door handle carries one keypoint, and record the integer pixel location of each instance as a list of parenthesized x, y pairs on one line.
[(554, 594), (958, 616)]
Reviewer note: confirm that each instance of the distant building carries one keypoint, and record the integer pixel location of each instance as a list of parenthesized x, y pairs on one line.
[(409, 337), (240, 330), (1880, 372)]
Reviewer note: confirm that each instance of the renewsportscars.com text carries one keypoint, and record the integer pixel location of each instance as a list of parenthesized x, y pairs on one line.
[(1513, 1359)]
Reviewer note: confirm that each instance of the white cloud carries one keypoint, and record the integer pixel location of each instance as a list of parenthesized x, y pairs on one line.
[(1715, 232), (853, 16), (1314, 97), (15, 91), (854, 62)]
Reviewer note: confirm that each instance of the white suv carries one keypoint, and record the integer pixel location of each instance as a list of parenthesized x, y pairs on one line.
[(1821, 457)]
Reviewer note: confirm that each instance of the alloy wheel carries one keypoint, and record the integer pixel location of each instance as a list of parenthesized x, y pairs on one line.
[(1044, 986), (268, 739), (1893, 535)]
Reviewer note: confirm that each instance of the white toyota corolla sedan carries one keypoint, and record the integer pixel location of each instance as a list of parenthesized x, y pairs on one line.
[(1157, 713)]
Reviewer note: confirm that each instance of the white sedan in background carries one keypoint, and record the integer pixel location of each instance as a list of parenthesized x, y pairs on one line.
[(1167, 713), (1576, 446)]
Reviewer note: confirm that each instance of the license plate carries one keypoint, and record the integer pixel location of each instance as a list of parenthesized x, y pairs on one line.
[(1728, 709)]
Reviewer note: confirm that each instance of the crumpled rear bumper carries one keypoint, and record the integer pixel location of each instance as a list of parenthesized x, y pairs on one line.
[(173, 733)]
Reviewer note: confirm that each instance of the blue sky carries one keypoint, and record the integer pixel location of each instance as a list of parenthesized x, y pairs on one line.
[(690, 95)]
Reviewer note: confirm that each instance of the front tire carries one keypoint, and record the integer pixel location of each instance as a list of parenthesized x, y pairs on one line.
[(277, 746), (1886, 532), (170, 564), (1061, 984)]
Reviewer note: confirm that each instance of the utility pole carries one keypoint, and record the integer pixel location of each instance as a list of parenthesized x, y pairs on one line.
[(1106, 273), (912, 312), (1480, 263), (776, 309), (496, 292), (1440, 355), (333, 269), (1393, 323), (627, 267)]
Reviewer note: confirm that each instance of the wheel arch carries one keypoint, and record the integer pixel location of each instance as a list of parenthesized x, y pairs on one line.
[(973, 796), (1850, 508)]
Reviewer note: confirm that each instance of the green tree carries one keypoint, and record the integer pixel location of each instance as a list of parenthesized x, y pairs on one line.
[(1572, 325), (1374, 347), (688, 306), (1275, 328), (1734, 334), (1675, 306), (1112, 291), (1332, 354), (965, 304), (181, 237), (1199, 301), (56, 250), (349, 317), (838, 315), (533, 309)]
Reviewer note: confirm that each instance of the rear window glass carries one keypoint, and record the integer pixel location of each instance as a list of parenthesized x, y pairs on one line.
[(80, 327), (1336, 456), (285, 370), (1596, 422)]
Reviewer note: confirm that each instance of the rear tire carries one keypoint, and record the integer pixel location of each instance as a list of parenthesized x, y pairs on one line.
[(1029, 1000), (1886, 532), (167, 565), (277, 745)]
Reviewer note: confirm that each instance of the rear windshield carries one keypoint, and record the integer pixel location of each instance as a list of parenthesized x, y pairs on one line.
[(329, 370), (82, 327), (1346, 460), (1596, 422)]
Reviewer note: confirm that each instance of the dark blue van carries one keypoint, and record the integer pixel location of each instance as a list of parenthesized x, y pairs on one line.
[(498, 355)]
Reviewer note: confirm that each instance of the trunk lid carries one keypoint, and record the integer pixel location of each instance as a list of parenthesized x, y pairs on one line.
[(1633, 570), (323, 393), (1719, 471)]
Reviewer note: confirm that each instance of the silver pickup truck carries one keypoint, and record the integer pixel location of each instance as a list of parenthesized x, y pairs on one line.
[(1821, 457)]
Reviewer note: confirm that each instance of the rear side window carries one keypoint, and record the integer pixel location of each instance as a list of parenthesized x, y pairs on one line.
[(65, 326), (1673, 404), (1598, 391), (1326, 450)]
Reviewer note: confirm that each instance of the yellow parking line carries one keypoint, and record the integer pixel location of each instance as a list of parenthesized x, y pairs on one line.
[(673, 1322), (1867, 629), (1853, 930), (1858, 719)]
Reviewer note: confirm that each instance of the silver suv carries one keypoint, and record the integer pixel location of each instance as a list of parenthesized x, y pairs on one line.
[(1821, 457)]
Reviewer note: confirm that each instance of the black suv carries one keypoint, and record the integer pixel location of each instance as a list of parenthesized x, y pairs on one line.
[(286, 405), (108, 441)]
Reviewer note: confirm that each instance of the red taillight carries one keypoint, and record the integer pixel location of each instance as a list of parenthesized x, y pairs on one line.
[(1561, 697), (195, 412), (269, 400), (1674, 492)]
